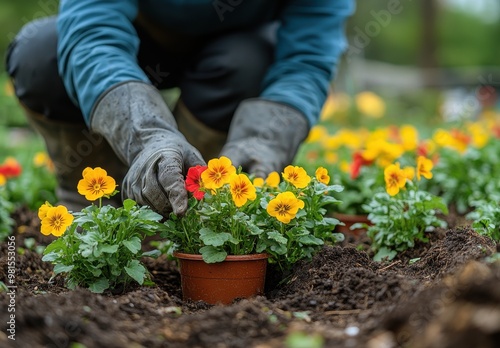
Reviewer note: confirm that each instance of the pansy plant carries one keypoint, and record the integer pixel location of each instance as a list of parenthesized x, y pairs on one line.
[(233, 213), (404, 213), (99, 247)]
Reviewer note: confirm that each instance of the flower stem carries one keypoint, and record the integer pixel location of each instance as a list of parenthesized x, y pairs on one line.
[(186, 233)]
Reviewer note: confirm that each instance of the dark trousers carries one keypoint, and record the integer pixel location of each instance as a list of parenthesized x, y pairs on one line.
[(213, 77)]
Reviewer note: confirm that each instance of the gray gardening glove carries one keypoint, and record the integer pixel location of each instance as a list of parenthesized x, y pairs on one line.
[(140, 128), (264, 136)]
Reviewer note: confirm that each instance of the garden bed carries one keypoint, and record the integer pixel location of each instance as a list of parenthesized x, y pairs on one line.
[(440, 294)]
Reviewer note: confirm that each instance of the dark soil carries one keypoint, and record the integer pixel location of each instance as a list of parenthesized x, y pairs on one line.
[(440, 294)]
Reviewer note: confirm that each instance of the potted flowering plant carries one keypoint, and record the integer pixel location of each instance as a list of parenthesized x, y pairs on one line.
[(230, 216), (100, 246)]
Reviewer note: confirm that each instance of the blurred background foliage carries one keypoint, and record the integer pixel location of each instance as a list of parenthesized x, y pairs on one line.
[(453, 42), (464, 33), (463, 36)]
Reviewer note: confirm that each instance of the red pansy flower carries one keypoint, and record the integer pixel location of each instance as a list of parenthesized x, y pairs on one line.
[(357, 162), (10, 168), (193, 181)]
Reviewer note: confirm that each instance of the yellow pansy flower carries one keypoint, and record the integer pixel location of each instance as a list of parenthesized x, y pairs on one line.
[(218, 173), (409, 173), (317, 133), (56, 221), (96, 183), (41, 159), (241, 189), (322, 175), (42, 211), (479, 134), (345, 166), (370, 104), (258, 182), (297, 176), (409, 137), (284, 207), (424, 167), (331, 157), (273, 179), (394, 178)]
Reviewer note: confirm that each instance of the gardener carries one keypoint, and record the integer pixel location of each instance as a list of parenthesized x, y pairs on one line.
[(253, 76)]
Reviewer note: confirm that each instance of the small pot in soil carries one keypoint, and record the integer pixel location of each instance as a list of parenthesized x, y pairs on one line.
[(238, 276), (349, 220)]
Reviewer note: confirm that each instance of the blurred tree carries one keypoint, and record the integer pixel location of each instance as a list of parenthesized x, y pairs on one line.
[(428, 41)]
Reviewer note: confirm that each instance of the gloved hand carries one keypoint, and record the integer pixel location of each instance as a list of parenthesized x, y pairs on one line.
[(264, 136), (140, 128)]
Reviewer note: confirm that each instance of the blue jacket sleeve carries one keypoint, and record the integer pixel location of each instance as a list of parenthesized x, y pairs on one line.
[(97, 48), (310, 43)]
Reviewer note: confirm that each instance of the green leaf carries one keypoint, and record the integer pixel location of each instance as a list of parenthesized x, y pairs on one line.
[(385, 253), (50, 257), (133, 244), (99, 285), (412, 261), (211, 254), (279, 249), (29, 243), (91, 238), (149, 216), (331, 221), (39, 249), (310, 240), (136, 271), (86, 250), (56, 245), (60, 268), (299, 339), (152, 253), (214, 239), (338, 237), (275, 235), (128, 204), (233, 240), (3, 287), (107, 248), (336, 188), (254, 229), (96, 272)]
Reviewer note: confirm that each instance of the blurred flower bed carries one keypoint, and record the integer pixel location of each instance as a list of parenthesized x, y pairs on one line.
[(465, 154)]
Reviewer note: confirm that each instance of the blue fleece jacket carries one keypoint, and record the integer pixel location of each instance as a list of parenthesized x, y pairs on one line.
[(98, 44)]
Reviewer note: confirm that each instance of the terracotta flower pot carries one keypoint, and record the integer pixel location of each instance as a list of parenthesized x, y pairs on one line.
[(239, 276), (349, 220)]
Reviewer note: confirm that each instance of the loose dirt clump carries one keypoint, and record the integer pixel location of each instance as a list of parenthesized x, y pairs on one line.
[(456, 248), (462, 311)]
